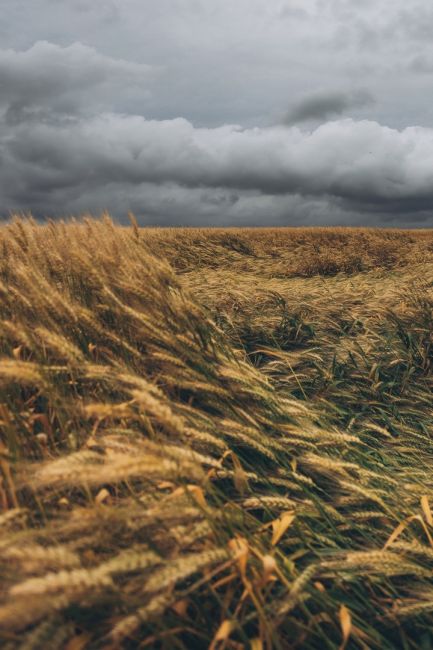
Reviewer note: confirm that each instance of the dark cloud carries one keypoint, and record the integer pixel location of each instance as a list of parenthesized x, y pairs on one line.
[(174, 172), (322, 105), (66, 80), (170, 109)]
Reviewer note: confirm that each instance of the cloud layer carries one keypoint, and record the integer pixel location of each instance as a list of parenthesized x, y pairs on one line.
[(73, 138), (361, 166)]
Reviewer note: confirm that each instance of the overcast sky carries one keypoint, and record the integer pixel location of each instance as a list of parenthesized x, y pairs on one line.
[(218, 112)]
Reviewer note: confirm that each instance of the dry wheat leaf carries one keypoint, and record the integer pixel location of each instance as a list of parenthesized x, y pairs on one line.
[(346, 625), (280, 525), (426, 510), (223, 633)]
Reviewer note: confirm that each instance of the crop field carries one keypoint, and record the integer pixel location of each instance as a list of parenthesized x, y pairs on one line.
[(215, 438)]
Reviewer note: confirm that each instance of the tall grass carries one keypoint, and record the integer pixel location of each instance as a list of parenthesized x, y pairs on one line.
[(236, 455)]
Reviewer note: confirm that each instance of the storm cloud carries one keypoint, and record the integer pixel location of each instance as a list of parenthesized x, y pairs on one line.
[(361, 164), (65, 80), (172, 112), (323, 105)]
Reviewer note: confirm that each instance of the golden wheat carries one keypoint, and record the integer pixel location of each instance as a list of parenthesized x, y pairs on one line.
[(208, 429)]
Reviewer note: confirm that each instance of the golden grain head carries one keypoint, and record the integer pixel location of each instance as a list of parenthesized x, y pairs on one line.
[(214, 433)]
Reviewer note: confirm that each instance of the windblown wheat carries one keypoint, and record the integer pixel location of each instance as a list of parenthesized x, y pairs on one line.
[(235, 453)]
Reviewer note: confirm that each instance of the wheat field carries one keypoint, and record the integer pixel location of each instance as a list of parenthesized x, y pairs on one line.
[(215, 438)]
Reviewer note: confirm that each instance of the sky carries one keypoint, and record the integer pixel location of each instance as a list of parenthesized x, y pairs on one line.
[(220, 113)]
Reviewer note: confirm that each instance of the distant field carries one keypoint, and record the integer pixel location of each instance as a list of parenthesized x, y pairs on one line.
[(215, 438), (288, 252)]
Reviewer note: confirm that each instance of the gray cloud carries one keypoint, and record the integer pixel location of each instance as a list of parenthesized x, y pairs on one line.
[(322, 105), (66, 80), (240, 62), (171, 109), (360, 167)]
